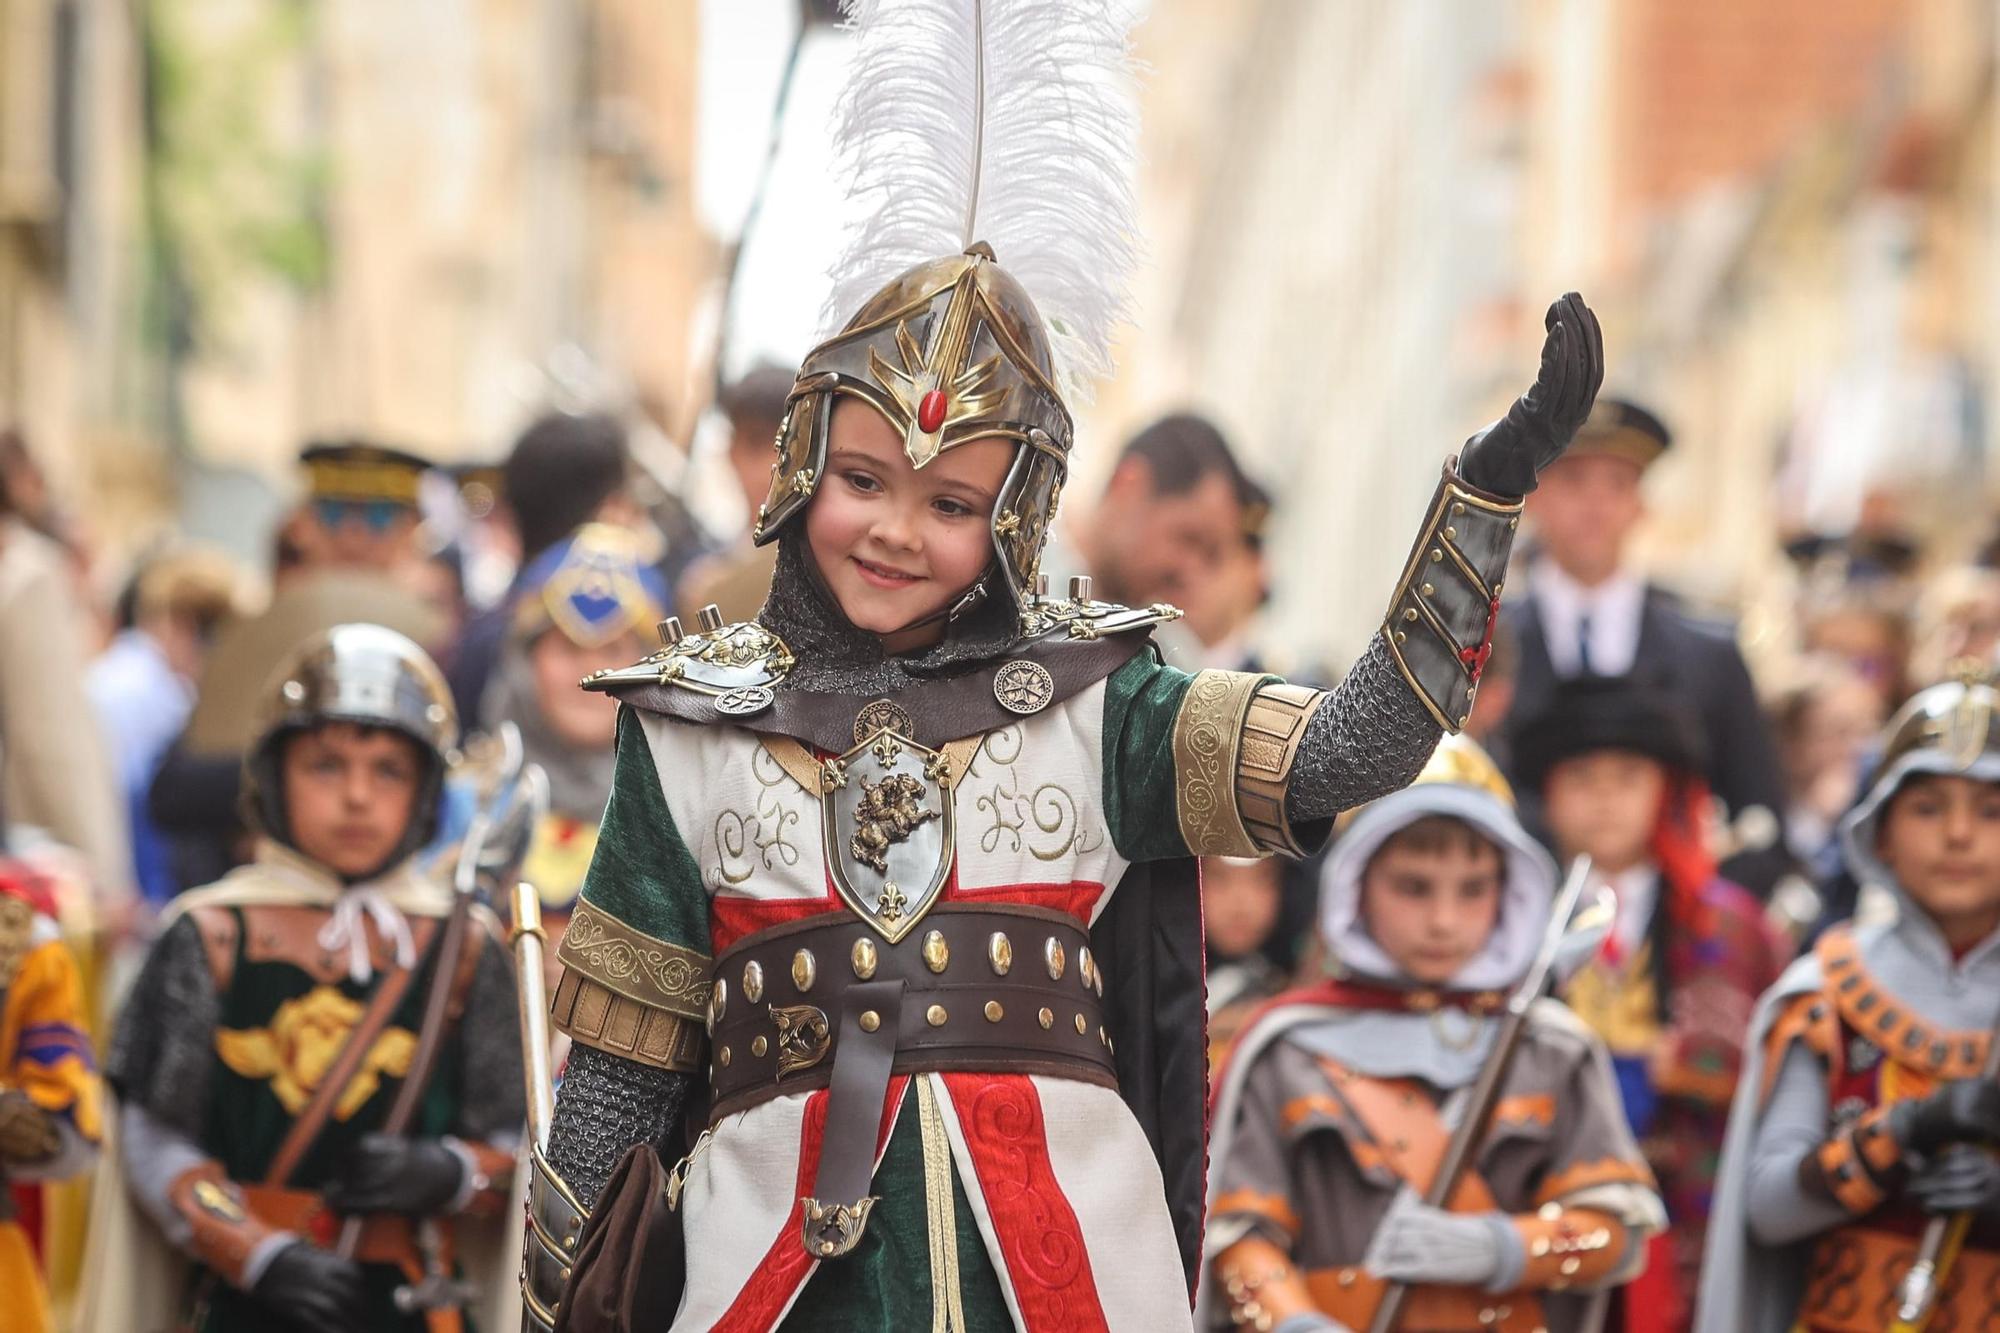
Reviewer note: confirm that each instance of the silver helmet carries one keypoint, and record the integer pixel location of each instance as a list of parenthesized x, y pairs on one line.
[(363, 674), (1947, 729)]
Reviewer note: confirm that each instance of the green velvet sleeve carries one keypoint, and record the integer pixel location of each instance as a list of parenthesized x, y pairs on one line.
[(642, 873), (1142, 699)]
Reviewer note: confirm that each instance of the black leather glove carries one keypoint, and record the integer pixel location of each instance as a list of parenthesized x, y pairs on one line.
[(1505, 457), (313, 1289), (1962, 1179), (1965, 1111), (388, 1174)]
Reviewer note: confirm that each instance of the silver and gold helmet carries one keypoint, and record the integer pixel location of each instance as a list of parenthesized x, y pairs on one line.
[(950, 352), (1947, 729), (366, 675)]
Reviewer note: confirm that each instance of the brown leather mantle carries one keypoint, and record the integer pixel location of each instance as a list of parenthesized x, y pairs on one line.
[(940, 711), (1043, 1015)]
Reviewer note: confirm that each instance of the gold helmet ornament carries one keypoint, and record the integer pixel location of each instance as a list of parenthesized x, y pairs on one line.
[(962, 163)]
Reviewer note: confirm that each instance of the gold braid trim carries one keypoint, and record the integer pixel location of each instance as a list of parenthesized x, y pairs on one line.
[(331, 479), (947, 1298), (1208, 740), (626, 961)]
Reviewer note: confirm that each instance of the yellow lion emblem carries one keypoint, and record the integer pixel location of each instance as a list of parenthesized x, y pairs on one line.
[(305, 1036)]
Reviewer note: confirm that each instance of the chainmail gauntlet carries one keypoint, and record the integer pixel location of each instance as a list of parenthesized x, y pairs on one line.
[(609, 1103), (836, 657), (1371, 737)]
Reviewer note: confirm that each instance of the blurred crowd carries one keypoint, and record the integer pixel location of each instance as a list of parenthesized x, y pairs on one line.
[(1626, 720)]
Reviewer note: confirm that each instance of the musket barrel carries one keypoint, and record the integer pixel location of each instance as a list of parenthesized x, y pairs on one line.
[(532, 988)]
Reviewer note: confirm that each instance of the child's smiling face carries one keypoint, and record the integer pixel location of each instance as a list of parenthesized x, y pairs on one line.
[(895, 544)]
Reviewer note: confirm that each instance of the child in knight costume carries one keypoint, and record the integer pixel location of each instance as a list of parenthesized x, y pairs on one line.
[(894, 896), (1332, 1115), (1868, 1108), (318, 1069)]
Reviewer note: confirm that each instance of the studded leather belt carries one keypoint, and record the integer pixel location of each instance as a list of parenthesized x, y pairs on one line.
[(996, 989)]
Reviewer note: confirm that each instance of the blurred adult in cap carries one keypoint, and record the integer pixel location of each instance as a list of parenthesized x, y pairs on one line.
[(352, 545), (587, 604), (143, 685), (565, 470), (737, 579), (55, 768), (362, 500), (1589, 613)]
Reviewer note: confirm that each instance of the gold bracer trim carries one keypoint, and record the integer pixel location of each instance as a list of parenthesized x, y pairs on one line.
[(1272, 729), (596, 1015), (629, 962), (1440, 624), (1208, 740)]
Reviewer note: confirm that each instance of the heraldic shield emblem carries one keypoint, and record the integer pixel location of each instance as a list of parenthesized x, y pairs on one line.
[(887, 812)]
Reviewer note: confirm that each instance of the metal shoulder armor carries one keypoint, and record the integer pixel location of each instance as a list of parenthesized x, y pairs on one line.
[(735, 668), (1081, 618), (1440, 623)]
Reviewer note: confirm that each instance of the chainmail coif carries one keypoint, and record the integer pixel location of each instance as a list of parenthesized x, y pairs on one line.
[(835, 657)]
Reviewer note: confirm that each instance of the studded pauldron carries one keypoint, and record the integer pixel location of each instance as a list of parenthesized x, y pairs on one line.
[(1440, 624)]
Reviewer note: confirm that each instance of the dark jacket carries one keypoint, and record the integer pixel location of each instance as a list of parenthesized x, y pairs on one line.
[(1698, 659)]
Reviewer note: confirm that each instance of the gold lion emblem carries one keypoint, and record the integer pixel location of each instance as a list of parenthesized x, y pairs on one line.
[(889, 811)]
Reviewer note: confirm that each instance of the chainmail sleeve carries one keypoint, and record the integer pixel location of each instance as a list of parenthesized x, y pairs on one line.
[(1371, 737), (609, 1103), (163, 1046)]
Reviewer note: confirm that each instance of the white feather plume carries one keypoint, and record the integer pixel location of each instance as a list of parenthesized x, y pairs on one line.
[(1012, 122)]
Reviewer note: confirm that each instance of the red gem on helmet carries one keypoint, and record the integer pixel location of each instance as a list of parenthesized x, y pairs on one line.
[(930, 412)]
